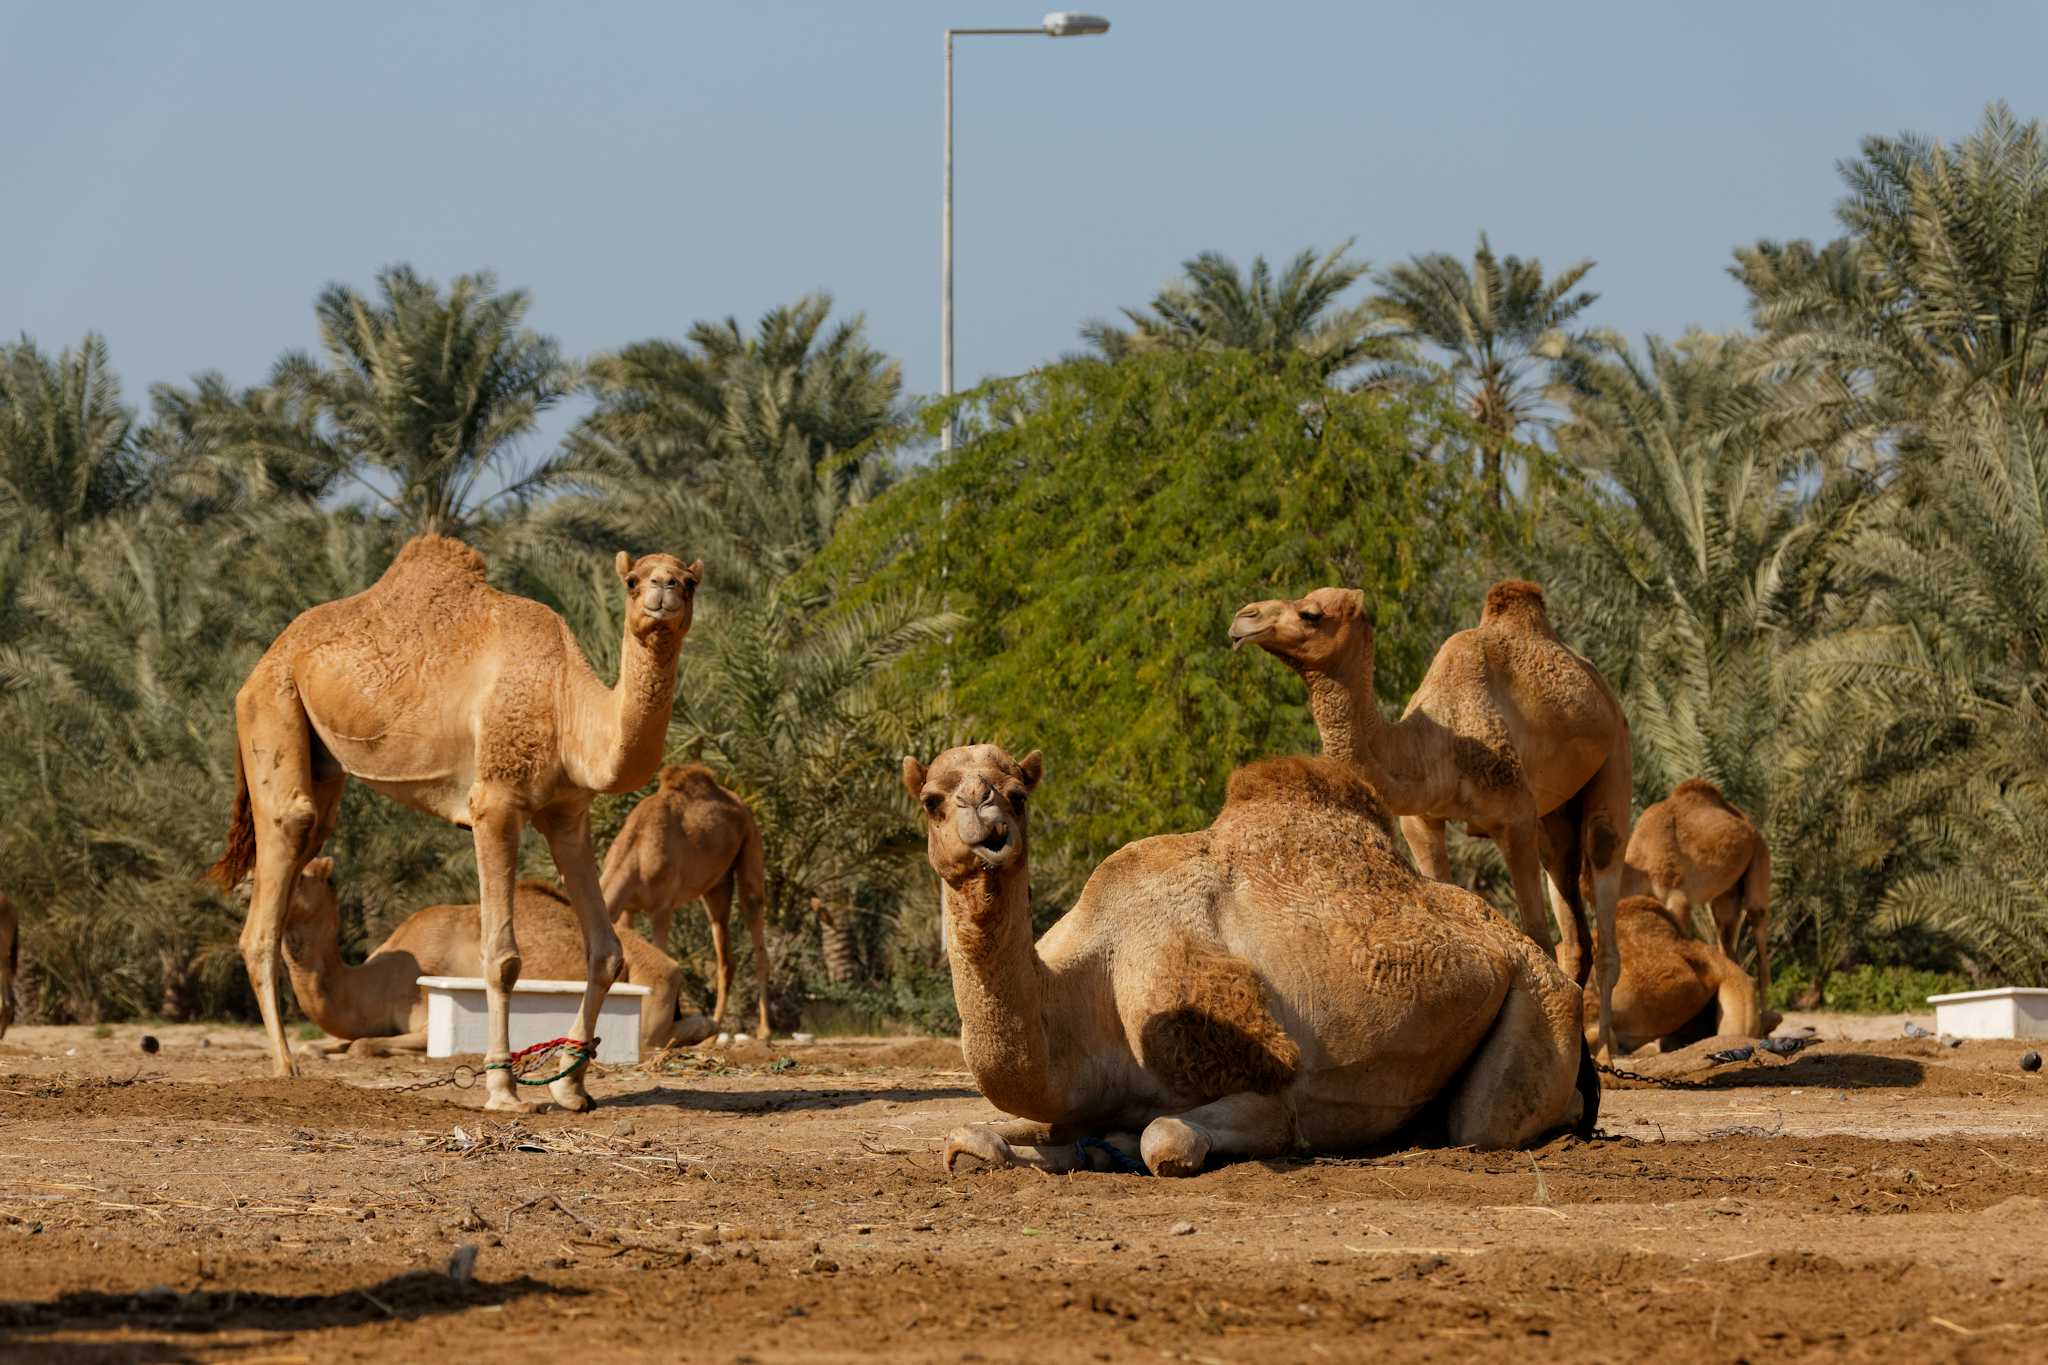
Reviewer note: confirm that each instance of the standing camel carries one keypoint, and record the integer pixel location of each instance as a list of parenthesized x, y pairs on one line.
[(691, 839), (1282, 981), (1695, 847), (460, 701), (377, 1007), (1510, 732), (10, 961)]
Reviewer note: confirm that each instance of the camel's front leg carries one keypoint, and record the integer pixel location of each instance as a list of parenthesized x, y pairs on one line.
[(567, 830), (385, 1046), (1055, 1147), (1426, 843), (495, 825), (1244, 1124), (1522, 844)]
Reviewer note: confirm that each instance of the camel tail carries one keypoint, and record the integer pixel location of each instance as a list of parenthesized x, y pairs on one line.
[(240, 855)]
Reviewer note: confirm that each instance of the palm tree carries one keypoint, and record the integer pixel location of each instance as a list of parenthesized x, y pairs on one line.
[(1938, 293), (421, 396), (1215, 307), (65, 454), (1504, 329)]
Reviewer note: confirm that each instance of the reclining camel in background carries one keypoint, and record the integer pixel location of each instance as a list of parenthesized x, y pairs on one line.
[(1282, 981), (1668, 977), (10, 961), (1696, 848), (1510, 732), (378, 1007), (691, 839), (466, 703)]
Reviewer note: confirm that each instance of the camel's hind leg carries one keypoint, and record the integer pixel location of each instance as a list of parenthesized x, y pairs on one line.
[(292, 809), (1522, 844), (1244, 1124), (567, 830), (718, 910), (1426, 843), (1561, 862), (1531, 1076), (1603, 833), (758, 931)]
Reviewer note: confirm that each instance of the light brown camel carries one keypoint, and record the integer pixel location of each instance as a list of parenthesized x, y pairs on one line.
[(1281, 981), (458, 700), (1696, 848), (10, 961), (1668, 977), (378, 1007), (1510, 732), (691, 839)]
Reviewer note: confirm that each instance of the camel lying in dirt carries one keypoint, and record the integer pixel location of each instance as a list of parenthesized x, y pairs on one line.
[(378, 1007), (1668, 977), (691, 839), (10, 961), (1282, 981), (1695, 847)]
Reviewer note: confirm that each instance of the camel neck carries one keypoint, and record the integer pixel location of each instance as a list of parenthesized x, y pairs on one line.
[(1348, 719), (636, 714), (999, 986), (374, 1000)]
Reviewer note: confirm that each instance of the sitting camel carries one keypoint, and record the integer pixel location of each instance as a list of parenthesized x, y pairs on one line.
[(378, 1007), (1668, 977), (10, 961), (1696, 848), (463, 702), (691, 838), (1282, 981), (1510, 732)]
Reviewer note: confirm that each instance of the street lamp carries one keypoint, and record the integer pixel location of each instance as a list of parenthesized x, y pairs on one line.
[(1060, 24)]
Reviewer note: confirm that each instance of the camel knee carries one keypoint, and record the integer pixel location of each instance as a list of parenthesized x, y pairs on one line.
[(1603, 844), (501, 970)]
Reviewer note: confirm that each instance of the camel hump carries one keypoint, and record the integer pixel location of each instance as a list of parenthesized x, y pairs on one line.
[(1517, 599), (692, 778), (1301, 780), (1699, 786), (439, 555)]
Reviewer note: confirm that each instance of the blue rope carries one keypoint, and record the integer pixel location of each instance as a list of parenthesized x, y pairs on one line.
[(1117, 1158)]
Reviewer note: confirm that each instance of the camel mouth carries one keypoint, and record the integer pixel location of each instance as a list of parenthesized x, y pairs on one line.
[(993, 849), (1243, 633)]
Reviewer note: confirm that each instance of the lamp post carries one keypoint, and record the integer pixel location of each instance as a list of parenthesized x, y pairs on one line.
[(1061, 24)]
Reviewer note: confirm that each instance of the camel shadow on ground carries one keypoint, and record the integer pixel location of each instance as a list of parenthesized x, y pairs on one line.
[(174, 1319), (1823, 1071), (781, 1101)]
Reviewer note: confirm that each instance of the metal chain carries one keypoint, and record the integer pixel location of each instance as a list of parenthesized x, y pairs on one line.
[(462, 1078), (1661, 1082)]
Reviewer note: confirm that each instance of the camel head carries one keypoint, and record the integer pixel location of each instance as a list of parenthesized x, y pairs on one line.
[(973, 799), (313, 918), (661, 595), (1317, 633)]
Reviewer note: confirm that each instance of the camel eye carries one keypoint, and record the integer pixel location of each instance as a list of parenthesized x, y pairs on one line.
[(1017, 801), (632, 584), (932, 804), (1311, 616)]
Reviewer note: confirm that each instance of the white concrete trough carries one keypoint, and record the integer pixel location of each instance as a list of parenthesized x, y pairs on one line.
[(2008, 1012), (458, 1019)]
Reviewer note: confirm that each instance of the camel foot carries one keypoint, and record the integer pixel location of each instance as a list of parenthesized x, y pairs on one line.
[(1173, 1147), (980, 1147), (568, 1093), (501, 1104)]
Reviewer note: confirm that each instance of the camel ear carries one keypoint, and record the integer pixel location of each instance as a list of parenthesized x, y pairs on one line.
[(624, 564), (1033, 768), (913, 777), (1365, 607), (695, 573), (320, 869)]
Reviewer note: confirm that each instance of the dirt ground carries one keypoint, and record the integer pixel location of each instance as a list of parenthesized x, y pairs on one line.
[(1864, 1200)]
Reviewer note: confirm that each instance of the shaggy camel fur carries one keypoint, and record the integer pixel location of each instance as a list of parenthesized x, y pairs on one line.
[(1281, 981), (691, 838), (458, 700), (1668, 977), (377, 1007), (1510, 732), (10, 961), (1696, 848)]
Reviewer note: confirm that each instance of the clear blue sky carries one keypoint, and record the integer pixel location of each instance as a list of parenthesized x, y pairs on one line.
[(184, 177)]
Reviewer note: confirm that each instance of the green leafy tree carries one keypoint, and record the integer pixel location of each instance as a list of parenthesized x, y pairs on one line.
[(1098, 546), (1216, 307), (66, 458), (1502, 327)]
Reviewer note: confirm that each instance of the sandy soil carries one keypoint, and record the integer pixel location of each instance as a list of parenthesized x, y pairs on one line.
[(1864, 1200)]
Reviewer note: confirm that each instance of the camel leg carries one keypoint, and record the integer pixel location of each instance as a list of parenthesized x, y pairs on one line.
[(1244, 1124), (1520, 842), (567, 830), (1603, 834), (1426, 844), (718, 909), (284, 803), (1736, 1002), (384, 1047), (1528, 1078), (755, 926), (1760, 925), (1567, 896), (495, 827), (660, 925)]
